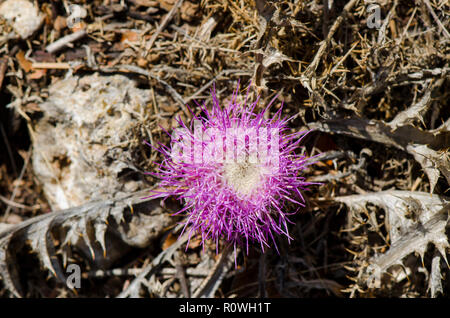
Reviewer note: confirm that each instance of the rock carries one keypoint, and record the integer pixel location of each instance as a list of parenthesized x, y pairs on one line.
[(24, 17), (83, 144)]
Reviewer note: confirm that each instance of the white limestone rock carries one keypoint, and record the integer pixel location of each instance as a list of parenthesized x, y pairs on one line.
[(24, 17), (85, 140)]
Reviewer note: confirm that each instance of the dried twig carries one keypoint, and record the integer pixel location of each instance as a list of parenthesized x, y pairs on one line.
[(47, 65), (65, 41), (436, 18), (162, 26), (324, 44), (133, 289), (212, 282), (172, 91)]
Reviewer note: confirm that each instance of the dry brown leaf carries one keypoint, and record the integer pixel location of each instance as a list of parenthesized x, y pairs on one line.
[(37, 74), (169, 241), (23, 62), (130, 36)]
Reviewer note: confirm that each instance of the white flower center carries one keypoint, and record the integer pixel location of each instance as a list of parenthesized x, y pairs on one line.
[(243, 177)]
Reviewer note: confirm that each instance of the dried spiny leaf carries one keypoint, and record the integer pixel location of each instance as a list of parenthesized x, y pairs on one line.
[(90, 220), (9, 277), (41, 241), (413, 220), (432, 162)]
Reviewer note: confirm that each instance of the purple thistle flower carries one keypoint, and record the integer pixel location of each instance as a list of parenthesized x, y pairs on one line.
[(235, 171)]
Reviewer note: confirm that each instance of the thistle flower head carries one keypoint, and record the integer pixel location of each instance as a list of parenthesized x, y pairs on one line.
[(235, 171)]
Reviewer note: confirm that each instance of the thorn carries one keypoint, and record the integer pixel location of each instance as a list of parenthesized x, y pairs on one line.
[(131, 208), (352, 252), (420, 117), (421, 258)]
